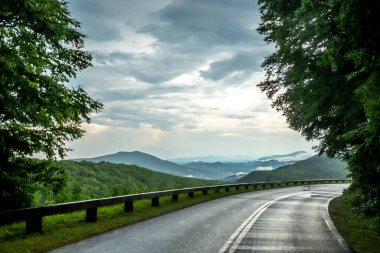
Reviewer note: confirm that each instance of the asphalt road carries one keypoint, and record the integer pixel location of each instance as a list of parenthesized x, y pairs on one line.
[(293, 219)]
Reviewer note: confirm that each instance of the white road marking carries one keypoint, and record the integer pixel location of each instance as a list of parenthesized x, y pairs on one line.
[(233, 242)]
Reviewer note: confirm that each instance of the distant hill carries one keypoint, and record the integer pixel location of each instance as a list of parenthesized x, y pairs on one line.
[(277, 157), (228, 171), (231, 171), (153, 163), (104, 179), (316, 167)]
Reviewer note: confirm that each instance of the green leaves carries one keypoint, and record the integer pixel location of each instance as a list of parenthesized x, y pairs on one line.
[(40, 50), (324, 77)]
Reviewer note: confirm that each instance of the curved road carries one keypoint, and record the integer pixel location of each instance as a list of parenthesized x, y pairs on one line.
[(293, 219)]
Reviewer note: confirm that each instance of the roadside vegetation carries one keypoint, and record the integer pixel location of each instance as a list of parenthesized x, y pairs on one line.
[(362, 234)]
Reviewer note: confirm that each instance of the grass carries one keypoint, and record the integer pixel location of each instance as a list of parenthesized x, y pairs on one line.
[(363, 235), (60, 230)]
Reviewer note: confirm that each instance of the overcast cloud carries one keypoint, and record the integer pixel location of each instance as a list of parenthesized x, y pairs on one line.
[(178, 78)]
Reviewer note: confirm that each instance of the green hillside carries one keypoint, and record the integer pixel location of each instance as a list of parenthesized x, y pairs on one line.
[(316, 167), (95, 180)]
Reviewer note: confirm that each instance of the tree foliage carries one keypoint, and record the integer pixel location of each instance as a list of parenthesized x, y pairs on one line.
[(41, 49), (325, 77), (97, 180)]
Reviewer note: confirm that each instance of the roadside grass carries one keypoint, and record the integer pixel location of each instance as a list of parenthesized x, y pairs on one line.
[(363, 235), (63, 229)]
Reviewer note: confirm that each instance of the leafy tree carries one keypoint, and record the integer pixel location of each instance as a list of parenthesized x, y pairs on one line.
[(41, 49), (325, 77)]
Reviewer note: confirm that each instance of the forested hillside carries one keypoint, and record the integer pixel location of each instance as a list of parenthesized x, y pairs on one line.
[(153, 163), (316, 167), (94, 180)]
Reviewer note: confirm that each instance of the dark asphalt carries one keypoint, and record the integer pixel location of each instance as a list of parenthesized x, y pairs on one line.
[(293, 219)]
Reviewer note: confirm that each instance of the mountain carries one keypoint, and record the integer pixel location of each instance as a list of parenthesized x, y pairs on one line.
[(211, 159), (232, 170), (104, 179), (153, 163), (315, 167), (295, 156)]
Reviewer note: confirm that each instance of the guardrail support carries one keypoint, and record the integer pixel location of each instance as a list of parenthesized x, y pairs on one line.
[(128, 206), (155, 201), (204, 192), (190, 194), (217, 190), (246, 187), (175, 197), (237, 188), (255, 186), (34, 224), (227, 189), (92, 214)]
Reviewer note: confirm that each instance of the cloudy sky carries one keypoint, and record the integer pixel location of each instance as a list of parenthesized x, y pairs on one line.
[(178, 78)]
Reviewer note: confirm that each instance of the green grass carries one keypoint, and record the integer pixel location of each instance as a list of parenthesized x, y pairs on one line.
[(363, 235), (59, 230)]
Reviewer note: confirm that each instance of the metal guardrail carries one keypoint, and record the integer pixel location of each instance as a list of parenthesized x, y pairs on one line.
[(33, 216)]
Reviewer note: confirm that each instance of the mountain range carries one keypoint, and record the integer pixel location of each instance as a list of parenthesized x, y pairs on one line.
[(226, 171), (153, 163)]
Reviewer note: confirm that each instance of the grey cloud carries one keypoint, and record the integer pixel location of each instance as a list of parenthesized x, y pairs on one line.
[(201, 24), (112, 58), (96, 20), (246, 62), (138, 94), (136, 113), (147, 68)]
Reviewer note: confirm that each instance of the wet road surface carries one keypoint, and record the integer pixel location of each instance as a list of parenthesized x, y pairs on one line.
[(293, 219)]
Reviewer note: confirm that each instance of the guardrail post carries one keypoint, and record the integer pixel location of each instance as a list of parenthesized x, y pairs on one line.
[(272, 185), (128, 206), (255, 186), (204, 192), (237, 188), (246, 187), (190, 194), (217, 190), (92, 214), (175, 197), (227, 189), (155, 201), (34, 224), (263, 186)]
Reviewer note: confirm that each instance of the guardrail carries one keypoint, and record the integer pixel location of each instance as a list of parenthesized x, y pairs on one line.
[(33, 216)]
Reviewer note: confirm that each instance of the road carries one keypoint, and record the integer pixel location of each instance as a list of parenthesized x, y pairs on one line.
[(293, 219)]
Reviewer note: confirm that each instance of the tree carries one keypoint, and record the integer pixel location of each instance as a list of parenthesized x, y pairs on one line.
[(325, 77), (41, 49)]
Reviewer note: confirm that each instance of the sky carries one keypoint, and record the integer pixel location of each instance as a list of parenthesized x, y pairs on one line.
[(178, 79)]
